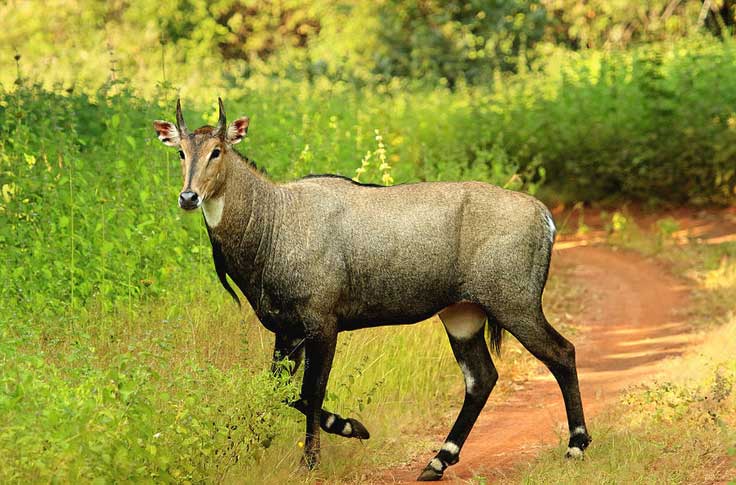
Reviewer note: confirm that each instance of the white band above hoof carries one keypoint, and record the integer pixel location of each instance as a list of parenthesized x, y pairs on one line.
[(574, 452)]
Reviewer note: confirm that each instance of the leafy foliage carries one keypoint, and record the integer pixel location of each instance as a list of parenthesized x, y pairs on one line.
[(104, 373), (86, 422), (86, 188), (198, 42)]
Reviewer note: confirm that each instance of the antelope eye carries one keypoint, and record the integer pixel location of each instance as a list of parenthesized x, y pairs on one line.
[(181, 154), (215, 153)]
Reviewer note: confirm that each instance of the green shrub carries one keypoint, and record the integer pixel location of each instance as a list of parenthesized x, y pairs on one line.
[(123, 421)]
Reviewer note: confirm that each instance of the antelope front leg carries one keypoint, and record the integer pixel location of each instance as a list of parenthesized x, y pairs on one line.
[(292, 350), (320, 350), (289, 349)]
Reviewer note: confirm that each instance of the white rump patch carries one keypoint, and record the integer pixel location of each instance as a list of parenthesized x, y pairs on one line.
[(469, 379), (347, 430), (463, 320), (451, 447), (213, 211), (330, 421), (574, 452), (552, 227)]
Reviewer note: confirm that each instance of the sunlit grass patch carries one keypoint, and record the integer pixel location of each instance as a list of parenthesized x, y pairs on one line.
[(673, 452)]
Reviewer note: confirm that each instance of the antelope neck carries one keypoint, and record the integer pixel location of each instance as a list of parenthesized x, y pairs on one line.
[(243, 210)]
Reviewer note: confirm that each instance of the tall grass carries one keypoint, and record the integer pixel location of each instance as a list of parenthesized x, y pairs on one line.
[(120, 356), (178, 390)]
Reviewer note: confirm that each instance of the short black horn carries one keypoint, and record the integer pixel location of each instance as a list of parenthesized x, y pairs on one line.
[(180, 124), (221, 122)]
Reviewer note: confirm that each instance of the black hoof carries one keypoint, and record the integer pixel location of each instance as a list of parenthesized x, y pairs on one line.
[(359, 430), (433, 471), (429, 474)]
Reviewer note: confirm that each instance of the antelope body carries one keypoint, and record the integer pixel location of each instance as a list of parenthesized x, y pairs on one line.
[(325, 254)]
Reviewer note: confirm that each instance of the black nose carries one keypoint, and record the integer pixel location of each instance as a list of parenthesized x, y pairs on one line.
[(188, 200)]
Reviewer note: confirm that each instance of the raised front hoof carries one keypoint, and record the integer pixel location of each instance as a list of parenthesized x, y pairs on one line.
[(433, 471), (347, 428), (358, 430), (429, 474)]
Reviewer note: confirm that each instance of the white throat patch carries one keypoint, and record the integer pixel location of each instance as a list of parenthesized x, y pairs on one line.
[(213, 211)]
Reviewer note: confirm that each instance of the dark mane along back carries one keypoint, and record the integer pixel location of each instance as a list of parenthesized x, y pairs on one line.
[(254, 166), (335, 176), (251, 163)]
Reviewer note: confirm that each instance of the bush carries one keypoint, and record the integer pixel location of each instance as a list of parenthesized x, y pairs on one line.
[(123, 421)]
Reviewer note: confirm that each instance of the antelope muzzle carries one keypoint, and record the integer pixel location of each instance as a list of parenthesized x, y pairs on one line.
[(189, 200)]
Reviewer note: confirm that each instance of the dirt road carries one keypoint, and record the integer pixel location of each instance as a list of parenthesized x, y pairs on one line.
[(628, 324)]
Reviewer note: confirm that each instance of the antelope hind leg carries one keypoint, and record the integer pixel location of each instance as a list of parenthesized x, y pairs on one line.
[(465, 325)]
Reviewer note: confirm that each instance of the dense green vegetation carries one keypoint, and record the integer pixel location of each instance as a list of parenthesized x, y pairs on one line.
[(88, 192), (120, 357), (194, 43)]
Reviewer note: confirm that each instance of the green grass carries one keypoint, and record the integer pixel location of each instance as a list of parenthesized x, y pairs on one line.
[(121, 357), (681, 451), (154, 394)]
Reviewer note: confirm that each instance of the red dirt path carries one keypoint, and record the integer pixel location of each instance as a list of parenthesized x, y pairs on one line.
[(629, 323)]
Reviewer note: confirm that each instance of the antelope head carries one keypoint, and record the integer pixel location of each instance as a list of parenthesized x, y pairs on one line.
[(203, 154)]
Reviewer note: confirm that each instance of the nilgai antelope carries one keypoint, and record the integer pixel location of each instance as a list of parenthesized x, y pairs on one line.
[(325, 254)]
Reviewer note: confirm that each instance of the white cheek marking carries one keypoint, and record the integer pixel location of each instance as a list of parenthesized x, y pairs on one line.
[(330, 421), (451, 447), (347, 430), (469, 379), (578, 430), (213, 211), (463, 320)]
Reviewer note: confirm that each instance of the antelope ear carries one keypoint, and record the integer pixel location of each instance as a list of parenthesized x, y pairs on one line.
[(237, 130), (167, 133)]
